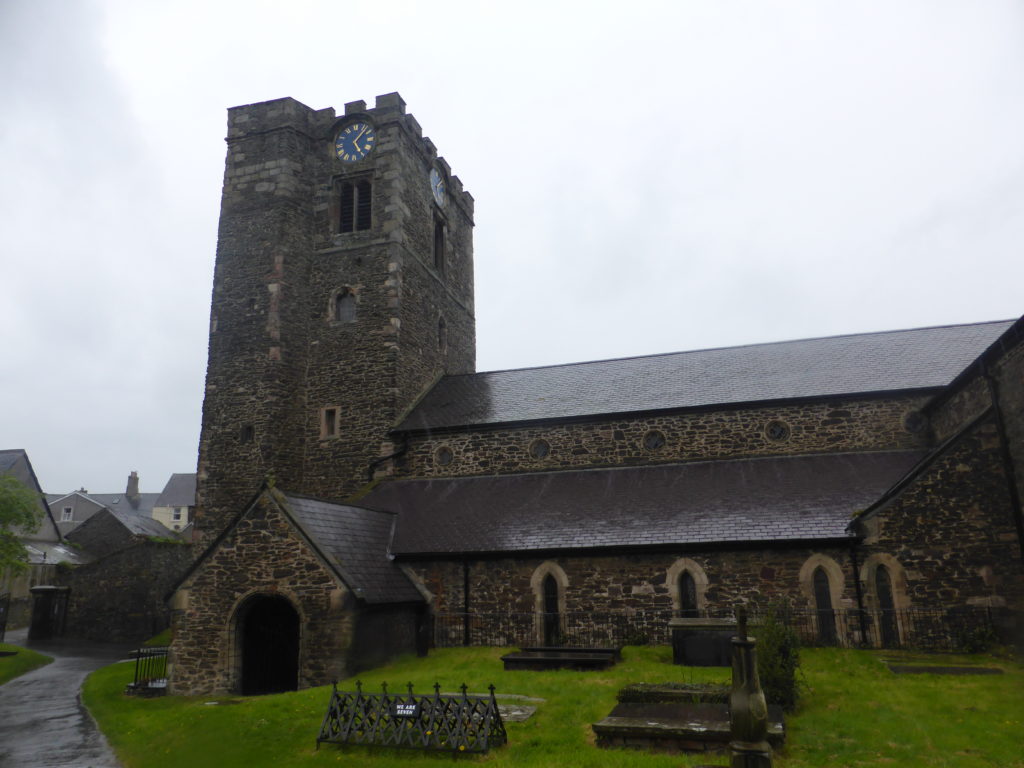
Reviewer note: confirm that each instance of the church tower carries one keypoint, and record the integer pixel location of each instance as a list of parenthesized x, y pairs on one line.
[(343, 290)]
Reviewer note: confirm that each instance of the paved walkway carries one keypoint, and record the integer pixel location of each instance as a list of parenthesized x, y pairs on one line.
[(42, 721)]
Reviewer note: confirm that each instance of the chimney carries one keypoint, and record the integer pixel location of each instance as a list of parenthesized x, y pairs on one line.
[(132, 491)]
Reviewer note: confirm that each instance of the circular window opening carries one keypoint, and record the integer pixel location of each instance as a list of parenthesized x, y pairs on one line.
[(539, 449), (776, 430), (444, 456), (654, 440), (915, 422)]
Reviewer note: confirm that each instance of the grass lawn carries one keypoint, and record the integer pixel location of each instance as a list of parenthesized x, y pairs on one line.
[(855, 713), (23, 661)]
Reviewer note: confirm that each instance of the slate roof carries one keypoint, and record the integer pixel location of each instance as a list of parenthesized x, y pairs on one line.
[(921, 358), (118, 502), (9, 458), (180, 491), (749, 500), (141, 525), (356, 540)]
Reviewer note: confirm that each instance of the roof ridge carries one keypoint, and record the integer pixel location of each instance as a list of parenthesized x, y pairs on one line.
[(735, 346)]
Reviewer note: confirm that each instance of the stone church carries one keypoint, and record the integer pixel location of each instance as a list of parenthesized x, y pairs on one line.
[(360, 486)]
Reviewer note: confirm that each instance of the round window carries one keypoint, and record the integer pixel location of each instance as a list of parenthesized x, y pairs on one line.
[(776, 430), (444, 456), (654, 440), (915, 421), (539, 449)]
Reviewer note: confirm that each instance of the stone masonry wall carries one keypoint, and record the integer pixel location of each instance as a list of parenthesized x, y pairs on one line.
[(1010, 381), (635, 583), (951, 529), (121, 597), (959, 409), (262, 555), (278, 358), (842, 425)]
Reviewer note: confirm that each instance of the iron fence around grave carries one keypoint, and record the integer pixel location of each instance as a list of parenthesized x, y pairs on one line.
[(943, 629), (150, 672), (456, 723)]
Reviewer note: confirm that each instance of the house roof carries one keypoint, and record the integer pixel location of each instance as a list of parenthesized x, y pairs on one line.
[(118, 502), (139, 524), (781, 499), (921, 358), (180, 491), (356, 542), (9, 458), (16, 462)]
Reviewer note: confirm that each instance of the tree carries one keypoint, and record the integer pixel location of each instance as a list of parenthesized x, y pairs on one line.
[(19, 513)]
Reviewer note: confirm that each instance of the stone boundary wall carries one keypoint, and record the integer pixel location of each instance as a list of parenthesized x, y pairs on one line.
[(817, 427), (120, 597)]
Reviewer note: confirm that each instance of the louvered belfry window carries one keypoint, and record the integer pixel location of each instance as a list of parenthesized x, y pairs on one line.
[(355, 206)]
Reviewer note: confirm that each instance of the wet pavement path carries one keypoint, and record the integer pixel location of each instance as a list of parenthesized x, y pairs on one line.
[(42, 721)]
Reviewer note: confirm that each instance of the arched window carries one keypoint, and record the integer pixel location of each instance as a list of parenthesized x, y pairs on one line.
[(344, 310), (823, 607), (687, 595), (687, 586), (886, 608), (885, 592), (551, 612), (549, 584)]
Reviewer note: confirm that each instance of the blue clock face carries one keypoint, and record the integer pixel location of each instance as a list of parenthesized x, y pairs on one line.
[(355, 141), (437, 186)]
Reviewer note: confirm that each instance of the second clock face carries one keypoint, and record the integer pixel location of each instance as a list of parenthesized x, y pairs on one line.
[(355, 141), (437, 185)]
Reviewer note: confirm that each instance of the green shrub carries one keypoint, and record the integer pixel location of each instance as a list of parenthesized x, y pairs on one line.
[(778, 657), (980, 638)]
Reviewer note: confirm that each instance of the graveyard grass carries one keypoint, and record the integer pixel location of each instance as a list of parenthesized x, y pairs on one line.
[(854, 712), (23, 661)]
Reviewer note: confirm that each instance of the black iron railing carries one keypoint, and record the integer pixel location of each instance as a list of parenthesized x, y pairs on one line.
[(5, 607), (960, 629), (150, 672)]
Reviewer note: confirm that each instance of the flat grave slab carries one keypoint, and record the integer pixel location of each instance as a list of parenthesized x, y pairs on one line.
[(562, 659), (937, 669), (676, 727), (615, 651)]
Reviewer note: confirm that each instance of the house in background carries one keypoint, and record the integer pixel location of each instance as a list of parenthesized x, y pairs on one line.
[(44, 546), (176, 504), (72, 509)]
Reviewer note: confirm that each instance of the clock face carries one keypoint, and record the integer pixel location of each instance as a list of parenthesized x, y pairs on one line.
[(437, 186), (355, 141)]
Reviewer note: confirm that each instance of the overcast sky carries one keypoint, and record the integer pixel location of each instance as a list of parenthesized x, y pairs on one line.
[(649, 177)]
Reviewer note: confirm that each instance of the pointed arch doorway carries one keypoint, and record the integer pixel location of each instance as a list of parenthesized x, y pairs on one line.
[(268, 641)]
